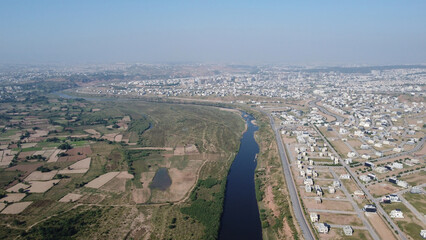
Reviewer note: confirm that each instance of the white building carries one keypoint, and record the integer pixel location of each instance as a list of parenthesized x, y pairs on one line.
[(380, 169), (364, 178), (348, 230), (423, 233), (345, 176), (401, 183), (397, 213), (397, 165), (322, 227), (308, 188), (314, 217)]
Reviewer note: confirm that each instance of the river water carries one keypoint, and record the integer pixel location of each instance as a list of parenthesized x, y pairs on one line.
[(240, 217)]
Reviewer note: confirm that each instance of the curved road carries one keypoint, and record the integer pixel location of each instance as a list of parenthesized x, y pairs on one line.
[(298, 212), (313, 103)]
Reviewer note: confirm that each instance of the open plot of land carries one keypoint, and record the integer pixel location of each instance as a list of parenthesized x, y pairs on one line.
[(410, 224), (54, 157), (18, 186), (381, 228), (415, 179), (115, 185), (41, 187), (76, 154), (70, 197), (41, 176), (125, 175), (2, 206), (384, 188), (191, 149), (13, 197), (81, 166), (16, 208), (182, 181), (141, 195), (340, 219), (101, 180), (93, 132), (417, 200), (179, 151), (328, 205), (341, 147)]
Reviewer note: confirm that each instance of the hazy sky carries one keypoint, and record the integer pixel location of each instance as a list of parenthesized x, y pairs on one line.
[(288, 32)]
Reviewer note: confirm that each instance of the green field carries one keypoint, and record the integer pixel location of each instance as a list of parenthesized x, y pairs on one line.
[(110, 212)]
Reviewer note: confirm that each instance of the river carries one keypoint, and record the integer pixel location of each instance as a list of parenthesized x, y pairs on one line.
[(240, 217)]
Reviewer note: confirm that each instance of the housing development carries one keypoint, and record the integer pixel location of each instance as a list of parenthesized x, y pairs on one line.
[(342, 149)]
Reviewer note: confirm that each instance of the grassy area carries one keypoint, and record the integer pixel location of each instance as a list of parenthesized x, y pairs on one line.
[(417, 200), (216, 134), (412, 229), (7, 177), (207, 209)]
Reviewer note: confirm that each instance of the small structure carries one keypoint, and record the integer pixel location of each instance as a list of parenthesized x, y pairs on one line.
[(364, 178), (415, 190), (381, 169), (401, 183), (314, 217), (331, 189), (322, 227), (348, 230), (308, 180), (393, 180), (336, 184), (369, 164), (394, 198), (423, 233), (359, 194), (397, 213), (345, 176), (372, 176), (370, 208), (308, 188), (397, 165), (318, 190), (318, 200)]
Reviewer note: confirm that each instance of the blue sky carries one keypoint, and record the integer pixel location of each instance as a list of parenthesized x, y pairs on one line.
[(288, 32)]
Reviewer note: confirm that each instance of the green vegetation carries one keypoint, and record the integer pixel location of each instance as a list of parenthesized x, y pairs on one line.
[(65, 146), (208, 212), (65, 226), (417, 200), (138, 162), (7, 177)]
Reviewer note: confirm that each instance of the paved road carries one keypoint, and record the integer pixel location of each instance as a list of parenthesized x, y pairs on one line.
[(298, 212), (364, 189), (313, 103), (421, 186), (357, 209), (412, 209), (415, 149)]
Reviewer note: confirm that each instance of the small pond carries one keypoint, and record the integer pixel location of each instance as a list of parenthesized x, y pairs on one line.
[(161, 180)]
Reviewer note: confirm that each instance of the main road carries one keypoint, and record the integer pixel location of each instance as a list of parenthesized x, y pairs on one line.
[(295, 201)]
